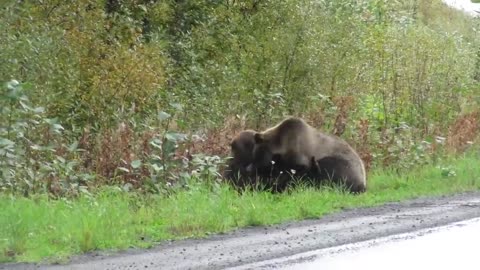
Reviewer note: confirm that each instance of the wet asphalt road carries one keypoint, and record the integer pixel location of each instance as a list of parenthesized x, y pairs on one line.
[(453, 246), (241, 248)]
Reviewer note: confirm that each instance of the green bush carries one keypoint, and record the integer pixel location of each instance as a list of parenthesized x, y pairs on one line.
[(388, 76)]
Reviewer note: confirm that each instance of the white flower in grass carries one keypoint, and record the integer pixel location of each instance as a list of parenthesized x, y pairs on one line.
[(273, 162), (293, 171)]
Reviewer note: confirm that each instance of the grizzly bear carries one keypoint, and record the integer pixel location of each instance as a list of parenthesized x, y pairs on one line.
[(300, 146), (273, 174), (241, 148), (337, 170)]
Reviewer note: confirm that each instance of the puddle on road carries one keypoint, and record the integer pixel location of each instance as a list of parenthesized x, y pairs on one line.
[(454, 246)]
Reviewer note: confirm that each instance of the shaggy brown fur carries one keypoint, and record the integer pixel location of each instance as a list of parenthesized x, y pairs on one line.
[(296, 143)]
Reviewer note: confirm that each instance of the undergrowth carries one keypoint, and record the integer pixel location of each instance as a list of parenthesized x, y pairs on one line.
[(147, 95)]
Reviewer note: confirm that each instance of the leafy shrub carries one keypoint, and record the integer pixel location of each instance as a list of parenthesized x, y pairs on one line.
[(388, 76), (33, 153)]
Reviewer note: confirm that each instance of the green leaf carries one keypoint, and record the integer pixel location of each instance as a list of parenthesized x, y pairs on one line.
[(39, 110), (13, 84), (36, 147), (155, 157), (6, 142), (127, 187), (163, 116), (157, 168), (169, 147), (84, 190), (136, 164), (71, 164), (57, 127), (50, 121), (25, 106), (175, 137), (143, 8), (73, 147), (177, 106), (156, 143), (14, 94), (61, 159)]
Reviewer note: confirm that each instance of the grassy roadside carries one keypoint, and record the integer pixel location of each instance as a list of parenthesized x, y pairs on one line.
[(36, 229)]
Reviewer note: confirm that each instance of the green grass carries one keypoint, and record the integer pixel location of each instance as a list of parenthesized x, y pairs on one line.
[(34, 229)]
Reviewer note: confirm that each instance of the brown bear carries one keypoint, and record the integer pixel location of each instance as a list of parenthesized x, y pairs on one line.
[(302, 147), (241, 148), (274, 174), (337, 170)]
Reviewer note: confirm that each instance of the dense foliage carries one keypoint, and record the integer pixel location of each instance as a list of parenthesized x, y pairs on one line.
[(106, 91)]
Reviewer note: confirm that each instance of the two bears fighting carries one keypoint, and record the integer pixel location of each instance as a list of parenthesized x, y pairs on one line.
[(294, 146)]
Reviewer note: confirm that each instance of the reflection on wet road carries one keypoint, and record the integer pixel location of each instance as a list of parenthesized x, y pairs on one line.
[(454, 246)]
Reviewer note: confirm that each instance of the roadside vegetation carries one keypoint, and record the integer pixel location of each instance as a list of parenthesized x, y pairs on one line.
[(116, 116), (38, 228)]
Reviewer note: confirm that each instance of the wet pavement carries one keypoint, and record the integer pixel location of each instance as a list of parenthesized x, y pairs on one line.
[(454, 246)]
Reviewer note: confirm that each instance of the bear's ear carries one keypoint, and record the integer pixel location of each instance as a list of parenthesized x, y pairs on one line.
[(259, 138)]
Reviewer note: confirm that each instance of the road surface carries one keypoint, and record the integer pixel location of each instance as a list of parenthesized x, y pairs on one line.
[(454, 246), (248, 248)]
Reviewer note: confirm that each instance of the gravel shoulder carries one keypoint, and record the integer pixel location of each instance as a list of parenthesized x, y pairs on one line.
[(255, 244)]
